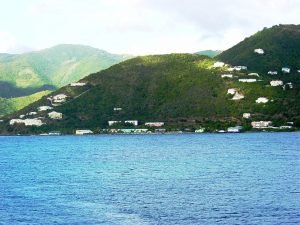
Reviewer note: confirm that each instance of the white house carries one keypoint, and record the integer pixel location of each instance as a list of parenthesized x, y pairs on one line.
[(259, 51), (31, 113), (26, 122), (218, 64), (231, 91), (83, 132), (275, 83), (133, 122), (117, 109), (22, 116), (246, 115), (44, 108), (290, 84), (110, 123), (262, 100), (286, 70), (238, 96), (272, 72), (298, 71), (261, 124), (77, 84), (253, 74), (200, 130), (247, 80), (59, 98), (227, 76), (230, 69), (154, 124), (55, 115), (239, 68), (235, 129)]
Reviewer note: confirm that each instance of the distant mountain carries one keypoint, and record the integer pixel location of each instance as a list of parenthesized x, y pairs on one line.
[(182, 90), (209, 53), (281, 46), (55, 67), (49, 69)]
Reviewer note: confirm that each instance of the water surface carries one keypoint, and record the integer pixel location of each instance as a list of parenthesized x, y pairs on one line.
[(151, 179)]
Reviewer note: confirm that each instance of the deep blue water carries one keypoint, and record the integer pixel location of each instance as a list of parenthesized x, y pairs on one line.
[(151, 179)]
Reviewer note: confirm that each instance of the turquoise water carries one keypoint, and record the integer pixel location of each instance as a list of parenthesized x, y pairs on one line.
[(151, 179)]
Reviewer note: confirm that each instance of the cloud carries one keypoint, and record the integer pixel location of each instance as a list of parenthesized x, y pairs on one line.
[(9, 44)]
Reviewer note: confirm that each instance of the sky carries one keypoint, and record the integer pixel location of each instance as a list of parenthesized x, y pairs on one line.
[(138, 27)]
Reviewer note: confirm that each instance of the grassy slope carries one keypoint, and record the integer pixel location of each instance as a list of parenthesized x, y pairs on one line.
[(173, 88), (11, 105)]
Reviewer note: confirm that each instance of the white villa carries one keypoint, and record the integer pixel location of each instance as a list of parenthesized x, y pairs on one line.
[(77, 84), (55, 115), (239, 68), (133, 122), (44, 108), (22, 116), (253, 74), (262, 100), (110, 123), (218, 64), (26, 122), (261, 124), (83, 132), (275, 83), (246, 115), (272, 72), (247, 80), (59, 98), (117, 109), (231, 91), (227, 76), (154, 124), (31, 113), (235, 129), (259, 51), (286, 70), (238, 96)]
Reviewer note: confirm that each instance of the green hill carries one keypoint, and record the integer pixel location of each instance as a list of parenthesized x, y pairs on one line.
[(182, 90), (49, 69), (209, 53), (56, 66), (281, 45)]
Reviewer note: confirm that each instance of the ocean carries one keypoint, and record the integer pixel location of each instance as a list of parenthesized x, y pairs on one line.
[(247, 178)]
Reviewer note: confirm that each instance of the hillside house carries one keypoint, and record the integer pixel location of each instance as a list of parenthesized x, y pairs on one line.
[(44, 108), (262, 100), (239, 68), (31, 113), (60, 98), (133, 122), (247, 80), (227, 76), (259, 51), (141, 130), (26, 122), (275, 83), (261, 124), (117, 109), (298, 71), (77, 84), (286, 70), (290, 85), (230, 69), (272, 72), (231, 91), (83, 132), (238, 96), (253, 74), (218, 64), (55, 115), (21, 116), (110, 123), (246, 115), (200, 130), (154, 124), (285, 127)]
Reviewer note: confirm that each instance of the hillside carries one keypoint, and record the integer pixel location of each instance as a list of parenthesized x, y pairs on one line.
[(182, 90), (11, 105), (209, 53), (51, 68), (281, 46)]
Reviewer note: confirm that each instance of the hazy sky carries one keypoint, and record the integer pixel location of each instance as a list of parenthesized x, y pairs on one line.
[(138, 26)]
